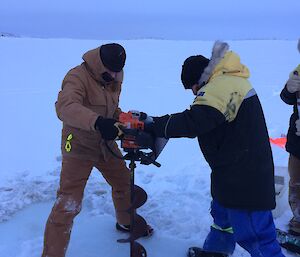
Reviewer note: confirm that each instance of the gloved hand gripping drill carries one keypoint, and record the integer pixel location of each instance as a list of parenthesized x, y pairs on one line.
[(110, 129), (134, 137), (130, 130)]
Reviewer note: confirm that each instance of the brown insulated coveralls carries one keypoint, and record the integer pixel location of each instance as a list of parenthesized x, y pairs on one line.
[(84, 97)]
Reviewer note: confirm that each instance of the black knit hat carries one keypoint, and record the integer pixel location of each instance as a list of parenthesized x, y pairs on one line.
[(192, 69), (113, 56)]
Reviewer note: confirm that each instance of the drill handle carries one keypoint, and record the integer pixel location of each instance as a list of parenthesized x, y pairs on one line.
[(147, 159)]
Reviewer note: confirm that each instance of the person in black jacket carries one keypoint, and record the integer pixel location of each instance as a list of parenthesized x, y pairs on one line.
[(289, 96), (227, 118)]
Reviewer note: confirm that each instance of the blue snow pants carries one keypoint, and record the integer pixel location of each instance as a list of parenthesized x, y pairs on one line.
[(252, 230)]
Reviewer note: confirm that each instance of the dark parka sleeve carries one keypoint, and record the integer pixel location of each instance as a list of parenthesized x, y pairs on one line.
[(287, 97), (189, 123), (293, 141)]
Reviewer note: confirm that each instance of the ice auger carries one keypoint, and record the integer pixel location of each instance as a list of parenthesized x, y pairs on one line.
[(132, 142), (138, 197)]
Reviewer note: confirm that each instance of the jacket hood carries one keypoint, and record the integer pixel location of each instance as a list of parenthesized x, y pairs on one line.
[(221, 62), (296, 71), (95, 67), (230, 65), (94, 63)]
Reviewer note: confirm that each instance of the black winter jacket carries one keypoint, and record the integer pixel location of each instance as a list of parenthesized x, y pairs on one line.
[(293, 141), (228, 120)]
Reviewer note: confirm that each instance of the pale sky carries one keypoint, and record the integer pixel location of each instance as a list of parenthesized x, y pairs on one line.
[(193, 7), (126, 19)]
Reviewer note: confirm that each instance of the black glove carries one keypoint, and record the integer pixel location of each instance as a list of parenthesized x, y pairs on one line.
[(108, 128), (145, 140), (149, 128), (144, 116), (157, 127)]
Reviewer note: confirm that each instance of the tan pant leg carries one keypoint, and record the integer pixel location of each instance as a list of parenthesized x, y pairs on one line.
[(294, 187), (117, 176), (74, 175)]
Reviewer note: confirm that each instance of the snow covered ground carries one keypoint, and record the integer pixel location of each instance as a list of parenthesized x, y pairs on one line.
[(31, 71)]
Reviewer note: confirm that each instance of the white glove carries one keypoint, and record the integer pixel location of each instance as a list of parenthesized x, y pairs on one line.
[(297, 127), (293, 84)]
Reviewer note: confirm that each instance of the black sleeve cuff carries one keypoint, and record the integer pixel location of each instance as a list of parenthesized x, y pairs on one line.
[(159, 125), (287, 97)]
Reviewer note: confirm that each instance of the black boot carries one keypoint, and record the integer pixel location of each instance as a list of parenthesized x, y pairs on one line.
[(199, 252)]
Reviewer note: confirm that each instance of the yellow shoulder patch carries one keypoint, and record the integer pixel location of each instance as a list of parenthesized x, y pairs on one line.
[(224, 93)]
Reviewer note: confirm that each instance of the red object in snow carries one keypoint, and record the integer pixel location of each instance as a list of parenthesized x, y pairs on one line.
[(280, 141)]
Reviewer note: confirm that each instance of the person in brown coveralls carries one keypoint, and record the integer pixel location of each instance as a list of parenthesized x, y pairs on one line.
[(88, 106)]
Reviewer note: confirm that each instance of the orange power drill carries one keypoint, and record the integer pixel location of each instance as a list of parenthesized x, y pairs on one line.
[(133, 128)]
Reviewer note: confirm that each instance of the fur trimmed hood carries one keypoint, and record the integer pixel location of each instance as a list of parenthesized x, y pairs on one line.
[(230, 65), (223, 62)]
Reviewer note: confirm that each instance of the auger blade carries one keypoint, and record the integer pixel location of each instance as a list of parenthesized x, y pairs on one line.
[(137, 250), (140, 197), (139, 229)]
